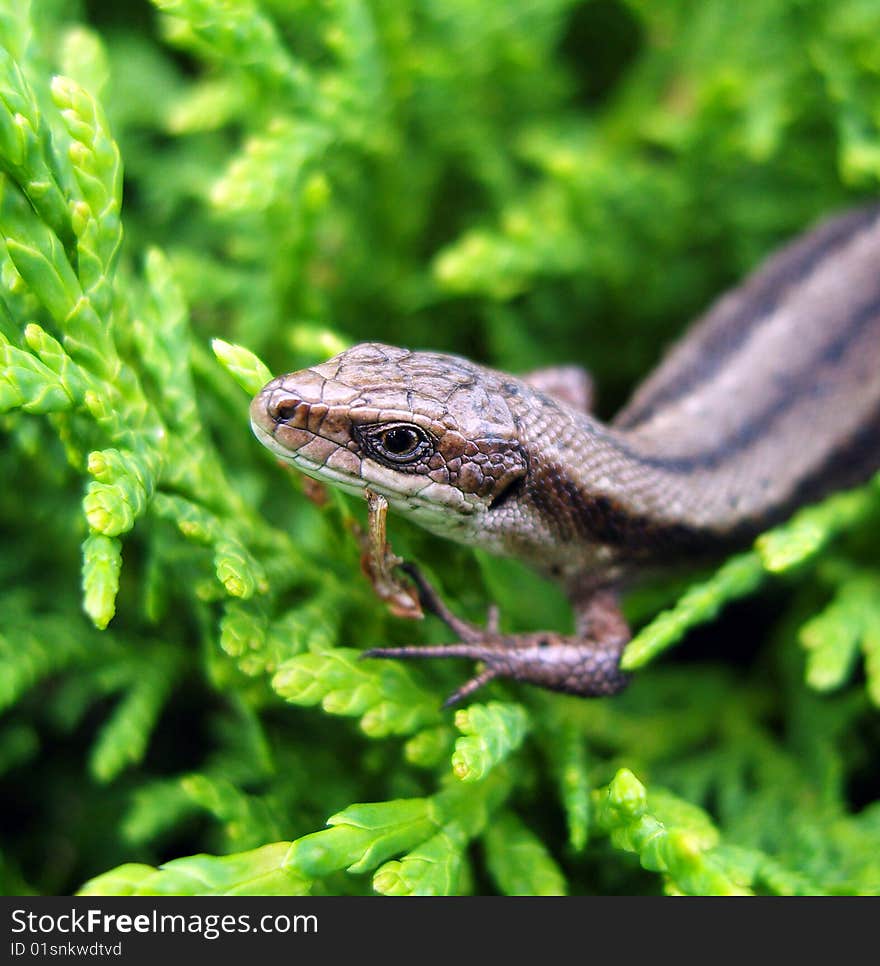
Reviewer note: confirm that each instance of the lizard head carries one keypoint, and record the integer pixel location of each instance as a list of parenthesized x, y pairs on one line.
[(432, 433)]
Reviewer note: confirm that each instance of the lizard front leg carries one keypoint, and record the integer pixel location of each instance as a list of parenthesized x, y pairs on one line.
[(586, 663)]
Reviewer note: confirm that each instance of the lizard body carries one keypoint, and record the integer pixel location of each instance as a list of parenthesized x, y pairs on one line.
[(770, 400)]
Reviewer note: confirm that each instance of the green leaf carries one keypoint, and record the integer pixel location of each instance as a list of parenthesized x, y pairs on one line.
[(243, 35), (669, 835), (24, 148), (738, 577), (432, 869), (244, 367), (246, 819), (383, 695), (566, 747), (102, 561), (272, 163), (30, 384), (429, 747), (362, 836), (832, 638), (810, 530), (260, 872), (124, 736), (491, 732), (518, 860), (84, 58)]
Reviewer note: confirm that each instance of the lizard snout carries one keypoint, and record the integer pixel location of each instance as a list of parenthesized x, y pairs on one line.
[(287, 400)]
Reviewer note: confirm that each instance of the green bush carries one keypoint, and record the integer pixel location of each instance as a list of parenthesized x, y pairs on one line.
[(527, 183)]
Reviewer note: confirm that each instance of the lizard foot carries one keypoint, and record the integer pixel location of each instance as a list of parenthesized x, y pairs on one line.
[(582, 665)]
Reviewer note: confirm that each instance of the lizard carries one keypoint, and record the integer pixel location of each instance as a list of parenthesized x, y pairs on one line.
[(770, 400)]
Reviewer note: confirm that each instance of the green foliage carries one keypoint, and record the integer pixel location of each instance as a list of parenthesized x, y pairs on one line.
[(833, 636), (262, 872), (519, 862), (384, 696), (526, 183), (490, 733)]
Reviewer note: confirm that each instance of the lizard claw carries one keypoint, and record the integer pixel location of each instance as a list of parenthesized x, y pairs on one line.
[(415, 651), (493, 619)]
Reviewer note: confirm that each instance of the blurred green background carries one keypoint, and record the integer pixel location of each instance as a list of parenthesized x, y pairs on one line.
[(526, 183)]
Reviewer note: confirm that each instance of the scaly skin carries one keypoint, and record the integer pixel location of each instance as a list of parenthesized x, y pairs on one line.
[(770, 400)]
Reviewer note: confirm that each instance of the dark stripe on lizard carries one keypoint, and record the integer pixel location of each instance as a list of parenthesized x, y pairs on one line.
[(575, 514), (790, 390), (722, 331)]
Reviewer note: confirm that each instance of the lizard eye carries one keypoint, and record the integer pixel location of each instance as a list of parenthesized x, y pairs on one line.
[(397, 443), (400, 442)]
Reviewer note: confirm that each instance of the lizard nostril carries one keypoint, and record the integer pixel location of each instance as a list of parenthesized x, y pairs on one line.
[(283, 409)]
